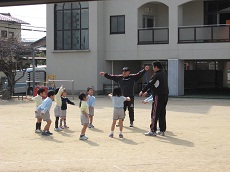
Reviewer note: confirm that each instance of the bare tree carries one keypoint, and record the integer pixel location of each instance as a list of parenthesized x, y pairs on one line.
[(11, 60)]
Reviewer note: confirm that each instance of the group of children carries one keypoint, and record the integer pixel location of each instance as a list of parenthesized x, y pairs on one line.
[(86, 105), (42, 111)]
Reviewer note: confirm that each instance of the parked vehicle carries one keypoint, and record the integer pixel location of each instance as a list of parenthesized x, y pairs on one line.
[(25, 83)]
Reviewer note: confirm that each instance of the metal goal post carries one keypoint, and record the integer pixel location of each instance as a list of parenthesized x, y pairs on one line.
[(72, 81)]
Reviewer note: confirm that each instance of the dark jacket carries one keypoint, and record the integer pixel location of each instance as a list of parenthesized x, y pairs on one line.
[(158, 84), (65, 100), (126, 83)]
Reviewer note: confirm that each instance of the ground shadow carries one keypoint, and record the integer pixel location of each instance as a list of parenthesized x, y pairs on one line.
[(171, 138), (127, 141), (67, 130), (91, 143), (96, 130), (64, 133), (135, 129), (50, 138)]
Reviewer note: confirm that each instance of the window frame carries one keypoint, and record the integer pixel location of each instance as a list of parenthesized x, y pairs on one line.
[(4, 34), (71, 29), (117, 16)]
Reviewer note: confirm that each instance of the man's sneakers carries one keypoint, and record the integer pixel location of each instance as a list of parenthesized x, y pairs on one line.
[(131, 124), (46, 133), (161, 133), (150, 133), (83, 137)]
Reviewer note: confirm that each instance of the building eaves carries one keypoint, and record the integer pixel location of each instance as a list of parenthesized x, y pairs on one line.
[(6, 17)]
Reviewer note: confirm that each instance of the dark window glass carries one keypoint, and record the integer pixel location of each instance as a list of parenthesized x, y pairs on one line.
[(3, 33), (117, 24)]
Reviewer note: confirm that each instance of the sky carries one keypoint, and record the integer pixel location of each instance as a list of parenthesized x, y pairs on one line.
[(35, 15)]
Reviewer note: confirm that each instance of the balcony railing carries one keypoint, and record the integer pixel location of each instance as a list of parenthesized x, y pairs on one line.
[(204, 34), (153, 36)]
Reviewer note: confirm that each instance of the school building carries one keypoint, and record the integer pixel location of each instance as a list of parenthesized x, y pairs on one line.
[(190, 37)]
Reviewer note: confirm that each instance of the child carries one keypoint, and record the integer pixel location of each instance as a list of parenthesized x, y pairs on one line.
[(44, 109), (84, 115), (118, 111), (57, 109), (52, 86), (65, 101), (38, 100), (91, 103)]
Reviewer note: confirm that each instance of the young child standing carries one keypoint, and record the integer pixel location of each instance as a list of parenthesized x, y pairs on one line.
[(44, 109), (65, 101), (38, 100), (84, 115), (118, 111), (91, 103), (57, 109)]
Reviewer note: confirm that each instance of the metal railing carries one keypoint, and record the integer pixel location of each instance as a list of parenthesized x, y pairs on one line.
[(158, 35), (204, 34)]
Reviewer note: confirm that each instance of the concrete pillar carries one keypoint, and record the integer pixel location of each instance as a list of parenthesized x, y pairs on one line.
[(176, 77)]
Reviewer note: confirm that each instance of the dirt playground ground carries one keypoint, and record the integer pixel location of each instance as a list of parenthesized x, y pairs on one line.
[(197, 139)]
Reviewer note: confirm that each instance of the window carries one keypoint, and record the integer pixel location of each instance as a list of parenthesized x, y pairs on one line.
[(71, 26), (3, 34), (117, 24), (148, 21), (11, 34)]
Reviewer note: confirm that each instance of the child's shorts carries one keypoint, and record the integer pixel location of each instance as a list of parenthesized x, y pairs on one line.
[(118, 113), (63, 114), (84, 119), (46, 117), (57, 111), (91, 111), (38, 114)]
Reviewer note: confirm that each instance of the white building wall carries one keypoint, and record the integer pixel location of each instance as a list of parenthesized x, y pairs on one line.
[(105, 47), (80, 66)]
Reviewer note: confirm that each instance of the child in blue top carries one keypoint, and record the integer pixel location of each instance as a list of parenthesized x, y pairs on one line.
[(44, 109), (118, 111), (91, 103)]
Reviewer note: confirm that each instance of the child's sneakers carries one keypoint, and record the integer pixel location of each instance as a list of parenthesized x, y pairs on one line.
[(61, 127), (120, 135), (83, 137), (57, 129), (65, 126), (90, 125), (111, 135), (46, 133), (38, 131)]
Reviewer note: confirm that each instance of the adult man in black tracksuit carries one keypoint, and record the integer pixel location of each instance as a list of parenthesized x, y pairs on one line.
[(159, 86), (126, 82)]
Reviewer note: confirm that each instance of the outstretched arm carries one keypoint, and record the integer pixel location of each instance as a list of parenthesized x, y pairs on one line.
[(110, 76), (140, 73)]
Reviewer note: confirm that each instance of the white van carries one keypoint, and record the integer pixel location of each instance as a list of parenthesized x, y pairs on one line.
[(25, 83)]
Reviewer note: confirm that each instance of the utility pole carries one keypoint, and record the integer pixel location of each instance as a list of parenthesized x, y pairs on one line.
[(33, 70)]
